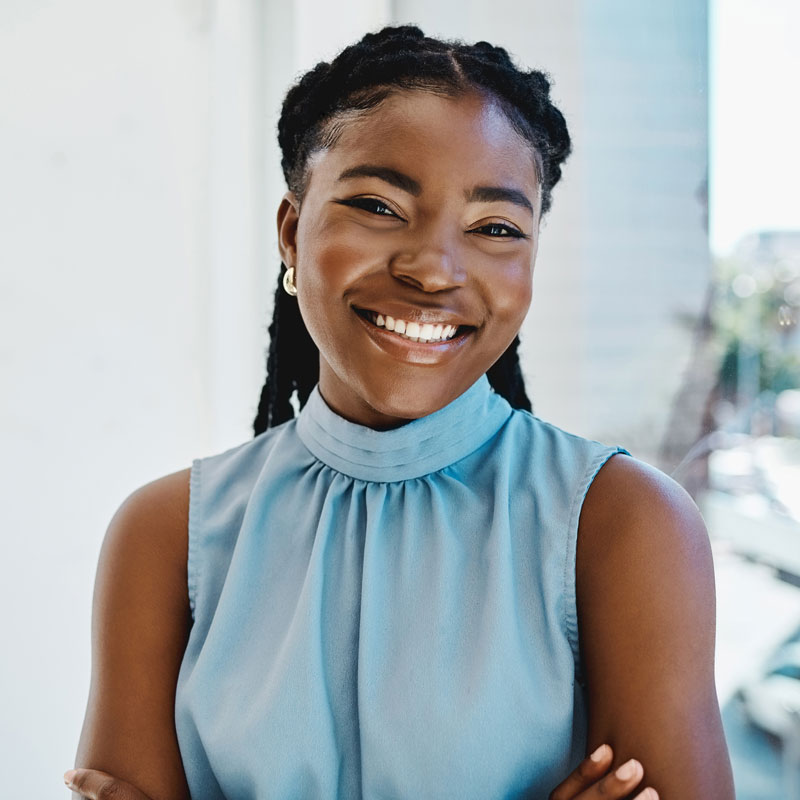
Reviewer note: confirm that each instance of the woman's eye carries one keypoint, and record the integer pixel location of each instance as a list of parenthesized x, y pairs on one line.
[(372, 205), (498, 231), (495, 230)]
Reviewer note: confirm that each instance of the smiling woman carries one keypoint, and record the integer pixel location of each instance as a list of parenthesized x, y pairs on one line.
[(415, 588)]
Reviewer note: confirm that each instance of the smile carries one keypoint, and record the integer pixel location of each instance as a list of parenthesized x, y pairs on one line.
[(413, 331)]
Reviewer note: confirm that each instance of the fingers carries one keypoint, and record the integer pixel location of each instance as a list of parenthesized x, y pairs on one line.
[(620, 783), (589, 771), (97, 785), (591, 779), (93, 784)]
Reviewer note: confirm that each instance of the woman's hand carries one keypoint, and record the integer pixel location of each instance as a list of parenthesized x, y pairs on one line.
[(97, 785), (591, 779)]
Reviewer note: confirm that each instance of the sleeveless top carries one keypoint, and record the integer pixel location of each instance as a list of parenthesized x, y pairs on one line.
[(386, 614)]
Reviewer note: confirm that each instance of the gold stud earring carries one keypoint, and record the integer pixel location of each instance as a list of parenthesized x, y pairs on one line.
[(288, 282)]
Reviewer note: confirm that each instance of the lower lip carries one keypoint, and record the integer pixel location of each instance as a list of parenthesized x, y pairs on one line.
[(414, 352)]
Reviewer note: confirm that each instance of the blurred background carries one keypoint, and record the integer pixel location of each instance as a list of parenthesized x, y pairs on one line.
[(139, 180)]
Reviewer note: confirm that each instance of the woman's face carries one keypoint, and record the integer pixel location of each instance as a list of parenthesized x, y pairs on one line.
[(424, 215)]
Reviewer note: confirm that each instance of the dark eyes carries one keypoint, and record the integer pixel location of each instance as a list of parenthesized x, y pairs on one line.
[(370, 204), (374, 206), (505, 231)]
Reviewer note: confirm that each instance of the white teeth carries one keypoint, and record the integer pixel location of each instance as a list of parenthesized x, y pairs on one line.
[(425, 332)]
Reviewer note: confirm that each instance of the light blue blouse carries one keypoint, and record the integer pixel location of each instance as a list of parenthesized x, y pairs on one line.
[(386, 614)]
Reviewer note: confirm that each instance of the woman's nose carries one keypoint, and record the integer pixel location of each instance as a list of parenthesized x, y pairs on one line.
[(431, 267)]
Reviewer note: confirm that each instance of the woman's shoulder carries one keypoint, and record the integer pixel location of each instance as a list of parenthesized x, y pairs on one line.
[(149, 536), (156, 515), (629, 496), (635, 519)]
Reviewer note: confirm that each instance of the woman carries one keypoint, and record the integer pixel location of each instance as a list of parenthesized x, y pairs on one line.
[(415, 588)]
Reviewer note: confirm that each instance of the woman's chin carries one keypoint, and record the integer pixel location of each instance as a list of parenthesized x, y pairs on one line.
[(402, 403), (372, 394)]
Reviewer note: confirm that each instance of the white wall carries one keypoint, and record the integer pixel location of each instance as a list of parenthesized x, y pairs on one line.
[(112, 241), (104, 119)]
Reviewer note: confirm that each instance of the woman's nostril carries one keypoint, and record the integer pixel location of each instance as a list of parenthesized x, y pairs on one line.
[(429, 275)]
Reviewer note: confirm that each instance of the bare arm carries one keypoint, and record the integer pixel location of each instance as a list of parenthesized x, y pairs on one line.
[(140, 625), (646, 608)]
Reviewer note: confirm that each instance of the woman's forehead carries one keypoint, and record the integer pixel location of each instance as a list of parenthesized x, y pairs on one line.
[(432, 132)]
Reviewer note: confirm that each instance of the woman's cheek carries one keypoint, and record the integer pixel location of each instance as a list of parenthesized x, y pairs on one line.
[(338, 265), (511, 291)]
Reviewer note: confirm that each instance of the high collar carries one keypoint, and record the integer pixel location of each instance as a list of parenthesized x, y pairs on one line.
[(417, 448)]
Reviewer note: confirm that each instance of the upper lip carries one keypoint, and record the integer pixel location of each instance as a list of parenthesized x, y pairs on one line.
[(410, 313)]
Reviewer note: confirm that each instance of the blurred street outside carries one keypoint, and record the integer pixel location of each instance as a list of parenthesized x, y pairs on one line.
[(757, 565)]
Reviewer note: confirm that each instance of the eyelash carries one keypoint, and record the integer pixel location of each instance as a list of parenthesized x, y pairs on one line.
[(368, 204)]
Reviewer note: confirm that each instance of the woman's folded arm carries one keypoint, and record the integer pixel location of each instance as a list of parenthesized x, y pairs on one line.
[(646, 610), (140, 625)]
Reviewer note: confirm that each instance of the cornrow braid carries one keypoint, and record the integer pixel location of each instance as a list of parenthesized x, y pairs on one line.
[(314, 114)]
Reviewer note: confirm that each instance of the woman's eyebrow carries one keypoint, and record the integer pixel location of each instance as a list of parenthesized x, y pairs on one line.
[(478, 194), (392, 176), (495, 194)]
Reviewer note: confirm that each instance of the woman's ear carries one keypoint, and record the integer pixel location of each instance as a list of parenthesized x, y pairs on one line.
[(288, 215)]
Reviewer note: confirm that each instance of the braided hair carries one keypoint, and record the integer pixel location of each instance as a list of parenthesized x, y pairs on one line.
[(314, 114)]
